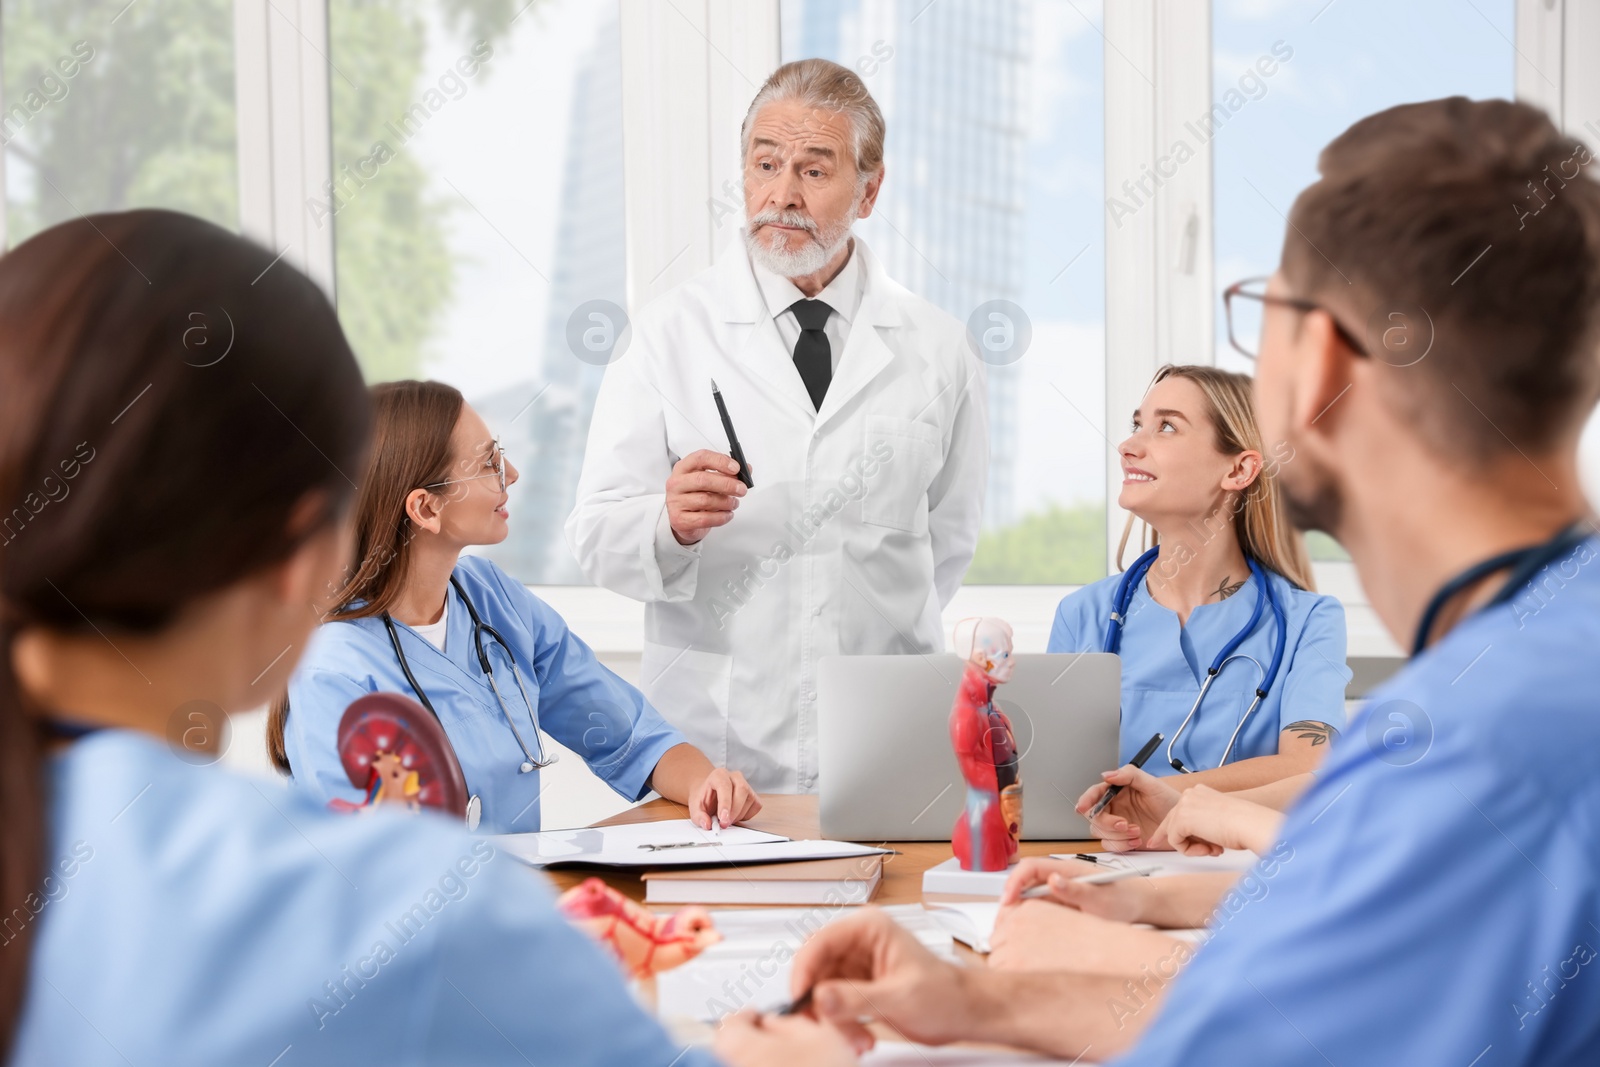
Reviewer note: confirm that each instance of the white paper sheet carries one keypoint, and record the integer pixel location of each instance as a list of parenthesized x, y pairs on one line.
[(1237, 860), (624, 846), (750, 967), (969, 922)]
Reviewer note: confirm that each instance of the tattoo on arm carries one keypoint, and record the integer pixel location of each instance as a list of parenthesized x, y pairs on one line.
[(1318, 733), (1227, 587)]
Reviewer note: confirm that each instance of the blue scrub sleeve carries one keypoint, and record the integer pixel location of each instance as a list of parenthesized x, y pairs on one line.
[(317, 700), (1316, 673), (1377, 938), (586, 707), (510, 980)]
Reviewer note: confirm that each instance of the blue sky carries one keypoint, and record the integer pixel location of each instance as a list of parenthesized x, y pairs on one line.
[(1355, 58)]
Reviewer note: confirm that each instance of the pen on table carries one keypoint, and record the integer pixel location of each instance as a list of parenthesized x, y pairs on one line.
[(707, 844), (1106, 877), (733, 439), (1137, 761)]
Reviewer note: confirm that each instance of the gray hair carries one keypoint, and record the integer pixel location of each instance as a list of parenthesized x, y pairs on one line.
[(825, 86)]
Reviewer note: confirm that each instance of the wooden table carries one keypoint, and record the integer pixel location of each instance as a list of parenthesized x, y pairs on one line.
[(796, 817)]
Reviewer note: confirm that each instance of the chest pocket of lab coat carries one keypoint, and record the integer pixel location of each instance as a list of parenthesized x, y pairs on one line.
[(896, 494)]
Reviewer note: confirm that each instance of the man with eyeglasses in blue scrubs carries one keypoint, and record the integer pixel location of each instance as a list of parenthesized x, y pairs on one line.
[(1429, 349)]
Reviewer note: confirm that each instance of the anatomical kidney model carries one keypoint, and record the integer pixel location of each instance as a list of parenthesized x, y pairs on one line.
[(643, 942)]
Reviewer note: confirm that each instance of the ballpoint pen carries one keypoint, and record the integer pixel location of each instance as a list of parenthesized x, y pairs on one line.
[(1137, 761), (703, 844), (734, 449)]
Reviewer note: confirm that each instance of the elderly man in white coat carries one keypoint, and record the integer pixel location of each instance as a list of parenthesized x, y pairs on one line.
[(861, 411)]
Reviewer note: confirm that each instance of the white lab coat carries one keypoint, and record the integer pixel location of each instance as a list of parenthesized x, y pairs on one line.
[(860, 527)]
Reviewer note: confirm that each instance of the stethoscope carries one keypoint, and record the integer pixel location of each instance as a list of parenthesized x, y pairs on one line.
[(1523, 563), (1265, 597), (479, 628)]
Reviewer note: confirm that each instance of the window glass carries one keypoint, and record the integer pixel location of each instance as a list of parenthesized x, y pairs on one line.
[(477, 207), (110, 105), (992, 209)]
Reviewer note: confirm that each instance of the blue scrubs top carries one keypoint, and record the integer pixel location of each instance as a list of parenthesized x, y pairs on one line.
[(1163, 665), (580, 703), (1435, 897), (191, 916)]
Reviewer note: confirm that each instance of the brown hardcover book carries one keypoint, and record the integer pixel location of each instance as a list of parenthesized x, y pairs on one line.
[(848, 880)]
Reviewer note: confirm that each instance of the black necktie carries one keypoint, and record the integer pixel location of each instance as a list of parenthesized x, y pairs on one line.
[(813, 358)]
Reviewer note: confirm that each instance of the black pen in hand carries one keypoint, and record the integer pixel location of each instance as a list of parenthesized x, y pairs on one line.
[(1137, 761), (733, 439), (797, 1005)]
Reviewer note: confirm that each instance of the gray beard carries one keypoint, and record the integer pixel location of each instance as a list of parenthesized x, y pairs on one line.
[(810, 258)]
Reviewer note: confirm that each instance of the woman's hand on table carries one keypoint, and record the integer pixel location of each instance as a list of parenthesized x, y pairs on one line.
[(1204, 822), (1033, 871), (1037, 935), (1133, 817), (723, 796), (1118, 901)]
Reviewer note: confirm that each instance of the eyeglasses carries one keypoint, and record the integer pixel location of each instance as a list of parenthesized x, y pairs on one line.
[(1246, 305), (497, 457)]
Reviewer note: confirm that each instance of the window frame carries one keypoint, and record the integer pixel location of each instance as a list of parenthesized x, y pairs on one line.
[(284, 109), (689, 70)]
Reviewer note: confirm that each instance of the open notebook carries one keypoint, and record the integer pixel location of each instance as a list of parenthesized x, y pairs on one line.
[(750, 967)]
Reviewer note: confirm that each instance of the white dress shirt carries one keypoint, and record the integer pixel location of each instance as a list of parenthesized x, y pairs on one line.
[(842, 294)]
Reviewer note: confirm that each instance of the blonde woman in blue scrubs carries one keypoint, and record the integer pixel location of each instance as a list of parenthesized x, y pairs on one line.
[(494, 663), (1195, 471)]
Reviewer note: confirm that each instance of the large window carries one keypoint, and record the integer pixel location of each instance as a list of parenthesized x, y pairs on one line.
[(477, 206), (1291, 76), (110, 105), (991, 209), (477, 157)]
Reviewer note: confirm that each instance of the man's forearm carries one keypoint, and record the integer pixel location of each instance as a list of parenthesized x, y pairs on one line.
[(1071, 1016), (1183, 901)]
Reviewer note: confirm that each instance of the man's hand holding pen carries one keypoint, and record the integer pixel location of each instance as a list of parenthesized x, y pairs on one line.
[(705, 486), (702, 492)]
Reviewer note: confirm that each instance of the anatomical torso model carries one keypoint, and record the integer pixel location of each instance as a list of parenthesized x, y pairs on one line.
[(987, 831)]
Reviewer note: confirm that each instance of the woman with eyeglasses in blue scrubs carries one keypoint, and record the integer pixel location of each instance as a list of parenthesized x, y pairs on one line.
[(1227, 651), (173, 482), (490, 660)]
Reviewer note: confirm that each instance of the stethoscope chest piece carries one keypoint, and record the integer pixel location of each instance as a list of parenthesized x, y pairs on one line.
[(474, 811)]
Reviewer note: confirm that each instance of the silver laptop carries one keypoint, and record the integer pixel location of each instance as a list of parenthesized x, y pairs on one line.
[(886, 771)]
